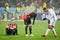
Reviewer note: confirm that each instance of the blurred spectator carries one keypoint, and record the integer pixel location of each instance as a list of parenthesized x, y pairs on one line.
[(2, 2), (32, 6), (2, 12), (40, 2), (17, 15), (6, 7)]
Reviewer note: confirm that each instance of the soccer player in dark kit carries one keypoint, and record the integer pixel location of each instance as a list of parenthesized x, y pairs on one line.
[(27, 22)]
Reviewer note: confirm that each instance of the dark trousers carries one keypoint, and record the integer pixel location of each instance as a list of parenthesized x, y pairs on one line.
[(11, 31)]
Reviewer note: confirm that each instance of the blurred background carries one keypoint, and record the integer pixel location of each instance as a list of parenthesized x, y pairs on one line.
[(15, 9)]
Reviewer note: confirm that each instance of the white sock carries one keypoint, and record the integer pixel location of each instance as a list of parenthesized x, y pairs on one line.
[(47, 31), (54, 31)]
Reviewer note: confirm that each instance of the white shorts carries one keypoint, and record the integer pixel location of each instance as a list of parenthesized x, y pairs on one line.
[(52, 22)]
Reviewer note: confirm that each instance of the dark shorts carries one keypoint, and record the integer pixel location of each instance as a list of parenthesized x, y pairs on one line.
[(11, 31), (48, 21), (27, 21)]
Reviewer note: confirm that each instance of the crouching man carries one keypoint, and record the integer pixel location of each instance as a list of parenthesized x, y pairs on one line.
[(11, 28)]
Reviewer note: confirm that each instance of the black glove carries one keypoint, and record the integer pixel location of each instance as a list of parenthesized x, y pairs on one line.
[(44, 18)]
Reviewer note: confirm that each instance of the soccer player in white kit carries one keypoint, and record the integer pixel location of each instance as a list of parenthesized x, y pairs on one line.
[(51, 21)]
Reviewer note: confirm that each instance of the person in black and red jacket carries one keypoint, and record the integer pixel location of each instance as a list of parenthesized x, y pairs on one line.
[(27, 22), (11, 28)]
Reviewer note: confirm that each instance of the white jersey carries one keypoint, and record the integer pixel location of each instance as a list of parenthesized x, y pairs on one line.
[(51, 15)]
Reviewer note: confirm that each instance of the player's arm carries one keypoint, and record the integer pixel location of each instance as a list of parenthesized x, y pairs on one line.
[(7, 26)]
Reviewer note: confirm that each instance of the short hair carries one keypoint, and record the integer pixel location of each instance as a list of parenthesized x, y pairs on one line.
[(44, 8)]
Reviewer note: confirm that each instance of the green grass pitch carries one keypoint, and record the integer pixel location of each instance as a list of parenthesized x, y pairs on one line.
[(38, 29)]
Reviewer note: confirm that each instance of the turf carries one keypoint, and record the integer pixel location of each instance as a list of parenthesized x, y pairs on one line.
[(38, 29)]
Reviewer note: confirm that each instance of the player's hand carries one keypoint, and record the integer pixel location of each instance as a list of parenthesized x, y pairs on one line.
[(32, 23), (44, 18)]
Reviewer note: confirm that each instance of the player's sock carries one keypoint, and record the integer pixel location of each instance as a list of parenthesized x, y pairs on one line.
[(47, 32), (26, 29), (30, 29), (54, 31)]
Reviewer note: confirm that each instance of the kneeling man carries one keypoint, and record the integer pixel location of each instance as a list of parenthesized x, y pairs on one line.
[(11, 28)]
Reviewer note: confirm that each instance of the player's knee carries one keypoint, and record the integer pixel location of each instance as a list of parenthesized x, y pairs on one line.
[(50, 27), (30, 25)]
